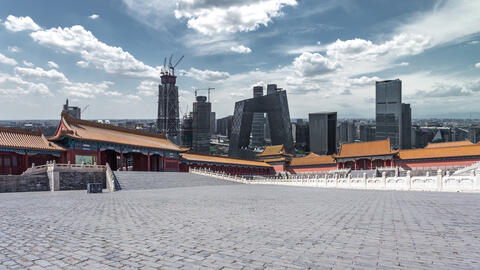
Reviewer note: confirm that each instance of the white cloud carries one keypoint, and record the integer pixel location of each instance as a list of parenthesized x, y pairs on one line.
[(13, 86), (404, 64), (439, 26), (94, 16), (13, 49), (28, 64), (364, 80), (17, 24), (148, 88), (82, 64), (42, 75), (52, 64), (314, 64), (212, 17), (207, 75), (90, 90), (94, 53), (7, 61), (240, 49), (157, 14), (477, 65)]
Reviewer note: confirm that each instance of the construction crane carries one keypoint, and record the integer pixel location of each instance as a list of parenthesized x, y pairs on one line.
[(85, 108), (204, 89), (170, 70)]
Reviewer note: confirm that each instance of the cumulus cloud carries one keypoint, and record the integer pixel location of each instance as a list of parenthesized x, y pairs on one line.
[(207, 75), (13, 86), (147, 88), (90, 90), (52, 64), (212, 17), (28, 64), (40, 74), (7, 60), (82, 64), (477, 65), (313, 64), (17, 24), (364, 80), (113, 60), (13, 49), (94, 16), (240, 49)]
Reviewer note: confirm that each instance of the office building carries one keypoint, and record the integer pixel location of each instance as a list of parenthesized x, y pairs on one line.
[(258, 122), (322, 133), (201, 125), (393, 119)]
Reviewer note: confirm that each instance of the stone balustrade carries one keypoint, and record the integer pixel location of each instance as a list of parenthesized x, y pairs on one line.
[(439, 182)]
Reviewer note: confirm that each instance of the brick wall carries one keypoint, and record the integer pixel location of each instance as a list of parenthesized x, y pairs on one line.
[(79, 180), (24, 183)]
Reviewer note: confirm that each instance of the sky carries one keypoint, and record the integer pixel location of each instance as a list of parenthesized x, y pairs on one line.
[(327, 54)]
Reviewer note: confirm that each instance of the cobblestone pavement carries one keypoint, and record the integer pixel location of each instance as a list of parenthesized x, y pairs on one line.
[(240, 226)]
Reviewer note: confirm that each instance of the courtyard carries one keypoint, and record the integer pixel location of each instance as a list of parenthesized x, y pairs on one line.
[(235, 226)]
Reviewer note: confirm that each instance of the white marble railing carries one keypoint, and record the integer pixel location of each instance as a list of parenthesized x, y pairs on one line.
[(439, 182), (53, 166)]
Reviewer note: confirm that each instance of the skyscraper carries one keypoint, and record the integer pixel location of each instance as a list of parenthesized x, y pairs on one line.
[(393, 119), (201, 125), (258, 122), (323, 129)]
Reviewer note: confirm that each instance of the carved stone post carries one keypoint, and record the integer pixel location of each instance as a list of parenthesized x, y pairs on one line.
[(409, 179), (440, 180)]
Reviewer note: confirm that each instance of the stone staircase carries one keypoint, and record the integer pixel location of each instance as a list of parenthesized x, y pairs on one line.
[(161, 180)]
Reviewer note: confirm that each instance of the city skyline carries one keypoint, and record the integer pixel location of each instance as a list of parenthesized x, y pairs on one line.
[(326, 54)]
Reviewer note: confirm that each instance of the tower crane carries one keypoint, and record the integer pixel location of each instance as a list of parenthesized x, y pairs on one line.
[(204, 89)]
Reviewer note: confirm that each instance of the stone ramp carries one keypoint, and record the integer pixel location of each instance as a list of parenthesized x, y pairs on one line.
[(161, 180)]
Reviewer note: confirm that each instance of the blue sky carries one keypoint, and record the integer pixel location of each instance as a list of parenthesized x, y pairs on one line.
[(326, 54)]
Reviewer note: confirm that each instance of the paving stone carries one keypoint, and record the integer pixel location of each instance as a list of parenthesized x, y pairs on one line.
[(226, 226)]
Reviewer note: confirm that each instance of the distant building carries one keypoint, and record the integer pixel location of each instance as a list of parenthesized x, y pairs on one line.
[(201, 125), (393, 119), (224, 126), (302, 136), (271, 89), (186, 131), (258, 122), (213, 123), (75, 112), (323, 127), (346, 132), (366, 133)]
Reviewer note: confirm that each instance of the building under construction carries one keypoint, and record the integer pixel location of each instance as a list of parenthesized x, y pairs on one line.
[(168, 115), (201, 125)]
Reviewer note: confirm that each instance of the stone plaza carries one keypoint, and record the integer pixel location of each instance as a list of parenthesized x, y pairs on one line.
[(225, 225)]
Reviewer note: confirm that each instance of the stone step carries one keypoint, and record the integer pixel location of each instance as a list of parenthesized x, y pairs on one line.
[(160, 180)]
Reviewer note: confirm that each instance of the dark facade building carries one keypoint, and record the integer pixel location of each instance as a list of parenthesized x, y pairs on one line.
[(323, 128), (258, 122), (168, 118), (213, 123), (393, 119), (201, 125), (187, 131), (75, 112), (366, 133), (276, 107), (302, 136), (346, 132), (224, 126)]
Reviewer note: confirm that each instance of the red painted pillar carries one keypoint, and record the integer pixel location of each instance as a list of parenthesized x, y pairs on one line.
[(384, 163), (99, 157), (343, 165), (148, 162), (26, 160), (355, 164), (392, 162), (371, 164), (121, 160)]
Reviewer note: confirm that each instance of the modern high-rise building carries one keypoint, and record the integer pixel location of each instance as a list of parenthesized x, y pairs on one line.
[(213, 122), (367, 133), (224, 126), (346, 132), (168, 117), (302, 135), (186, 131), (258, 122), (74, 111), (393, 119), (201, 125), (322, 129)]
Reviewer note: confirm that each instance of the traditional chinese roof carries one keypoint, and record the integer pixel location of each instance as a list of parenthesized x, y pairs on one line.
[(223, 160), (312, 159), (449, 144), (26, 140), (93, 131), (273, 150), (365, 149), (441, 152)]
